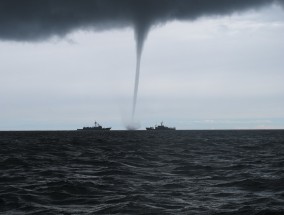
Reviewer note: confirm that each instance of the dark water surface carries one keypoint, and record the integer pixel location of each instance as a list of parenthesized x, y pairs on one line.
[(122, 172)]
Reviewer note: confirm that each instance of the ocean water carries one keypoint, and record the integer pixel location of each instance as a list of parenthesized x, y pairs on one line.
[(140, 172)]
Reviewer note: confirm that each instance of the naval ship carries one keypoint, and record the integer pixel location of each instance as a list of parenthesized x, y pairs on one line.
[(97, 127), (160, 127)]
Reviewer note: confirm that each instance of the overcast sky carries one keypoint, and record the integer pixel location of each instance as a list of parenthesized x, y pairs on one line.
[(215, 72)]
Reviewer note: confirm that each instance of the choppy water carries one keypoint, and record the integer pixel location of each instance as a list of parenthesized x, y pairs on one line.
[(121, 172)]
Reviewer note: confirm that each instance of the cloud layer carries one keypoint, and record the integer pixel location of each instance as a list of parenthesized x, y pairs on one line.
[(40, 19)]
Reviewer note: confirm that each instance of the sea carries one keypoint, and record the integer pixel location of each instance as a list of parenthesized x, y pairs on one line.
[(216, 172)]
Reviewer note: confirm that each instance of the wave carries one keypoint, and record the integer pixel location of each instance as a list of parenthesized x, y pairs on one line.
[(182, 172)]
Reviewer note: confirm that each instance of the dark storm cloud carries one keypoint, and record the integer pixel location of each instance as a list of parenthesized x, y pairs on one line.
[(27, 20)]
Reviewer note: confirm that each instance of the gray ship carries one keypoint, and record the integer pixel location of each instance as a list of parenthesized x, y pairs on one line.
[(97, 127), (160, 128)]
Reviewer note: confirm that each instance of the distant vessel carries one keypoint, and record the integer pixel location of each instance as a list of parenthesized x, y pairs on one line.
[(97, 127), (160, 128)]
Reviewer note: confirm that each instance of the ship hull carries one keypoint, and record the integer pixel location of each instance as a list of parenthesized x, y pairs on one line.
[(94, 129)]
